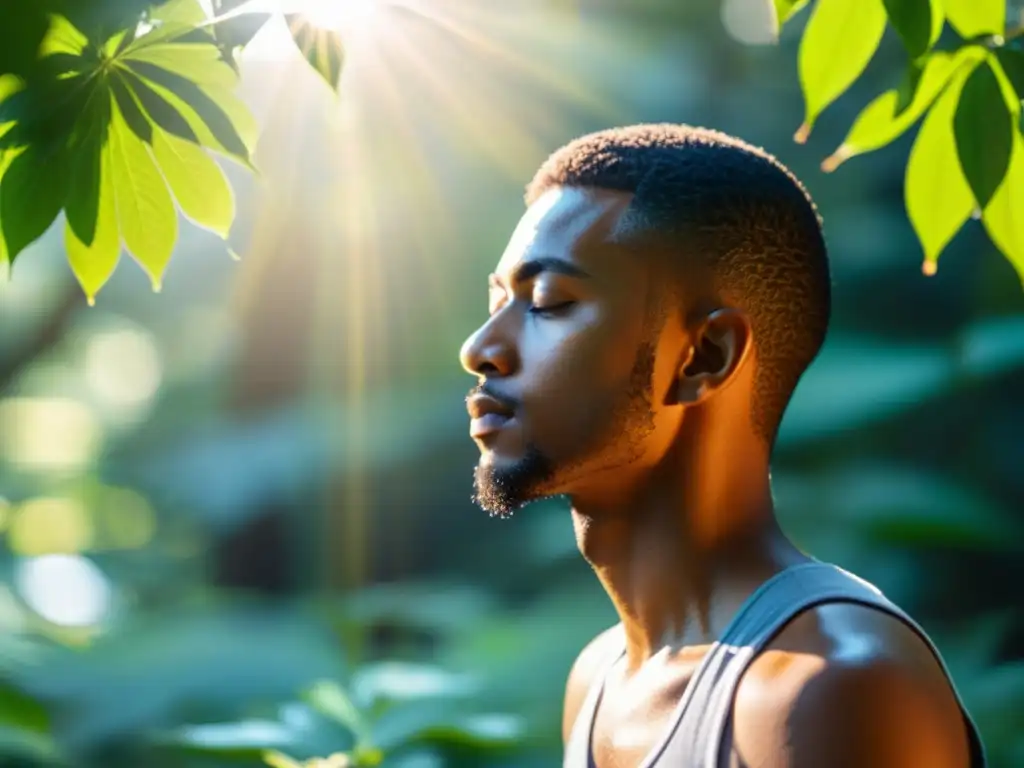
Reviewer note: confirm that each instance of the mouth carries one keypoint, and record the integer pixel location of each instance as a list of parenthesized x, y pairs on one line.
[(487, 416)]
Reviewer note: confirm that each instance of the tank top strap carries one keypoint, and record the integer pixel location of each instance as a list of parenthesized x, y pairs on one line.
[(577, 748), (697, 739)]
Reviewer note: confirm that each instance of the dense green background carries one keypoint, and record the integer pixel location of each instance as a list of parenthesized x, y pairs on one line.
[(266, 464)]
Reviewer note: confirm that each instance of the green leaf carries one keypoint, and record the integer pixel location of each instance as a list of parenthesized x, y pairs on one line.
[(971, 18), (9, 85), (785, 9), (201, 64), (94, 260), (130, 109), (158, 109), (918, 23), (882, 121), (146, 216), (1012, 62), (840, 39), (85, 152), (276, 759), (984, 130), (197, 182), (329, 699), (222, 123), (179, 12), (322, 48), (21, 710), (1002, 216), (62, 37), (32, 193), (938, 197)]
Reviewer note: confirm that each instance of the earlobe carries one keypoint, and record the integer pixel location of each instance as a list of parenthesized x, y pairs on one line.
[(719, 345)]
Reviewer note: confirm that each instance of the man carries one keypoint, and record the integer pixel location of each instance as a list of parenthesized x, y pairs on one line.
[(649, 320)]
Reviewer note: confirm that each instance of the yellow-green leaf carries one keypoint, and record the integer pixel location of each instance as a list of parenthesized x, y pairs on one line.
[(784, 9), (93, 264), (10, 84), (62, 37), (938, 198), (881, 121), (971, 18), (1002, 217), (840, 39), (6, 156), (179, 12), (276, 759), (218, 118), (198, 183), (984, 128), (199, 62), (146, 216)]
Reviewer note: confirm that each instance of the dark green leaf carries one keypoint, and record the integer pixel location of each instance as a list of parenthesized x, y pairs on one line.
[(32, 192), (130, 110), (20, 40), (984, 133), (1012, 62), (159, 109), (237, 30), (1002, 218), (45, 111), (209, 112), (910, 85), (918, 23), (21, 710), (322, 48), (83, 199)]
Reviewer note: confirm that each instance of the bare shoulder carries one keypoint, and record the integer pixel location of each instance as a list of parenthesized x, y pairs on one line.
[(847, 685), (585, 669)]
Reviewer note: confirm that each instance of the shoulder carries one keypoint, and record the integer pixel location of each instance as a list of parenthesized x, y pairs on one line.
[(848, 685), (588, 665)]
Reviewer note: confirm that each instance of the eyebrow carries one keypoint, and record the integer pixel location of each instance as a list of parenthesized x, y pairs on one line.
[(533, 267)]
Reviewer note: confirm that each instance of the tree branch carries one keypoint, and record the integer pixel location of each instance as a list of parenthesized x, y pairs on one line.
[(48, 334)]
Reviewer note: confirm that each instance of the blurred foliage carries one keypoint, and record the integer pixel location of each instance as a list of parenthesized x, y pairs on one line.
[(235, 525)]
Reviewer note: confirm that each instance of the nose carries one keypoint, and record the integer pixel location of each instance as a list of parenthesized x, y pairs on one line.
[(489, 351)]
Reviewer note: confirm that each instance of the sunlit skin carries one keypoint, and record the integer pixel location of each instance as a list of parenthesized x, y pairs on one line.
[(669, 490)]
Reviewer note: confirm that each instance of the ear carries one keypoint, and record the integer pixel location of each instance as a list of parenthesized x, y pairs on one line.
[(720, 341)]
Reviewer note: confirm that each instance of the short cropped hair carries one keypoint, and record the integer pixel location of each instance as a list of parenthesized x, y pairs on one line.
[(729, 207)]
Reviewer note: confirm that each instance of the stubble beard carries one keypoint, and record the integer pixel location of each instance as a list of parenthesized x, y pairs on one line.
[(500, 491)]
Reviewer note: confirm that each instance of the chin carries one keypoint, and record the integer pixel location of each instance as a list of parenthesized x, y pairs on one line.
[(504, 484)]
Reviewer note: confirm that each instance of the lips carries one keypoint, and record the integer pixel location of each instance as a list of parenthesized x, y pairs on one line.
[(487, 415)]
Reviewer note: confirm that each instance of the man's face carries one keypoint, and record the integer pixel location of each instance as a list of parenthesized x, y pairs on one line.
[(568, 390)]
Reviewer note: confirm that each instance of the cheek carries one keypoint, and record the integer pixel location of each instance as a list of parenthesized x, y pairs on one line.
[(580, 371)]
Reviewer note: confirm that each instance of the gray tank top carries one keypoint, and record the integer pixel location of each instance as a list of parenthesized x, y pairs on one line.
[(696, 736)]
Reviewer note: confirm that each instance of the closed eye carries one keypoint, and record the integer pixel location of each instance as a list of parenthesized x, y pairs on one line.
[(551, 310)]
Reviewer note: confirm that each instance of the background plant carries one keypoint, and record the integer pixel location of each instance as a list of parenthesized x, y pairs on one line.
[(261, 475)]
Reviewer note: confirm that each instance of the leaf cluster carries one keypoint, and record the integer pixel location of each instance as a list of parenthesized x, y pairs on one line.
[(968, 156)]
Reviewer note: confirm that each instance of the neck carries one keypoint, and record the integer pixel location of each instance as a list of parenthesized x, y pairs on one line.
[(681, 549)]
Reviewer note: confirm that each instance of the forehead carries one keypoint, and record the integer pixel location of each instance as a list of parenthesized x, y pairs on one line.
[(573, 224)]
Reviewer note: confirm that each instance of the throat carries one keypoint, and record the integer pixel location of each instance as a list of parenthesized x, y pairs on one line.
[(675, 581)]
